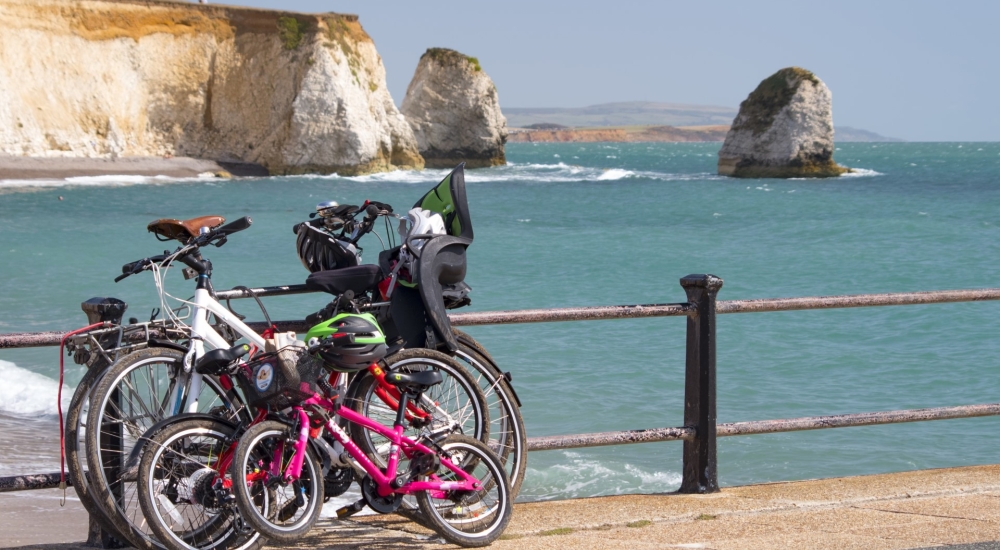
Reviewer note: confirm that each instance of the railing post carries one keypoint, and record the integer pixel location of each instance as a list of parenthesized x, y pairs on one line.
[(700, 473)]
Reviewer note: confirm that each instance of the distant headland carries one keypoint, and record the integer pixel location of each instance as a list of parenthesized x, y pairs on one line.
[(637, 121)]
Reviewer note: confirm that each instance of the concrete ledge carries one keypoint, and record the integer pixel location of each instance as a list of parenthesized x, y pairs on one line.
[(907, 510)]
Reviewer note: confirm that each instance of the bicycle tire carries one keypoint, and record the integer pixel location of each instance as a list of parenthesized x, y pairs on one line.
[(507, 437), (260, 503), (457, 396), (103, 464), (75, 447), (178, 499), (469, 518)]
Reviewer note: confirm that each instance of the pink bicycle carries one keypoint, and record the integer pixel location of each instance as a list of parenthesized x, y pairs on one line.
[(459, 483)]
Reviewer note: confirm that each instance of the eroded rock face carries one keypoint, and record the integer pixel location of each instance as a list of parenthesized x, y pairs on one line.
[(293, 92), (453, 108), (784, 129)]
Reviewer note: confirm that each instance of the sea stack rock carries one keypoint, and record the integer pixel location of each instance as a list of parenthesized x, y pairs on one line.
[(784, 130), (453, 108)]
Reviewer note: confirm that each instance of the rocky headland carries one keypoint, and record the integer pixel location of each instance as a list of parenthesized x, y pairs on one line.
[(784, 129), (291, 92), (454, 110)]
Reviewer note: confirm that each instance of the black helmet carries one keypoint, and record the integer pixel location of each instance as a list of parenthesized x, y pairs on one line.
[(319, 251), (349, 342)]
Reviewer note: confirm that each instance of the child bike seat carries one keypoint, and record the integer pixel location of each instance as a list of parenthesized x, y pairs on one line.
[(169, 229), (357, 279)]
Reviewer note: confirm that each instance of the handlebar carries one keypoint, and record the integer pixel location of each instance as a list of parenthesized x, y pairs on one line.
[(332, 341), (215, 236)]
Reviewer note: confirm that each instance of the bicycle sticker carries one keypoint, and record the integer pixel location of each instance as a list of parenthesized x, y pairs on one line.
[(264, 376)]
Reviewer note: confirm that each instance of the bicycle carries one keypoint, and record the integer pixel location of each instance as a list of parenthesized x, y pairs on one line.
[(460, 484), (143, 392), (328, 246)]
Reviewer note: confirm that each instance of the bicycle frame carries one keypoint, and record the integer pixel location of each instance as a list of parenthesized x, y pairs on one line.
[(400, 444), (202, 333)]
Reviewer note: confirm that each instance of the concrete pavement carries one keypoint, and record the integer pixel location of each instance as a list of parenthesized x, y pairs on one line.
[(908, 510)]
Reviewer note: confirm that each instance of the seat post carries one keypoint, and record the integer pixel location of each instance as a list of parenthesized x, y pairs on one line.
[(404, 401)]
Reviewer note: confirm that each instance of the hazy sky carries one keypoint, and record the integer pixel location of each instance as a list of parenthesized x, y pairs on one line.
[(915, 70)]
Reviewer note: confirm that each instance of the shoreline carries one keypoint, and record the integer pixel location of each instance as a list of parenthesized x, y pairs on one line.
[(59, 168)]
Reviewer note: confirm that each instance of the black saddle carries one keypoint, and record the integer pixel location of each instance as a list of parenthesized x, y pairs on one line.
[(418, 381), (357, 279)]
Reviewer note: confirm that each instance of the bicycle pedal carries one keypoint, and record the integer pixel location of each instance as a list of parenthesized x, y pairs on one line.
[(350, 509)]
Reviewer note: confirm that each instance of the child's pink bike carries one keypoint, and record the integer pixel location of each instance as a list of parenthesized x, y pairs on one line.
[(459, 483)]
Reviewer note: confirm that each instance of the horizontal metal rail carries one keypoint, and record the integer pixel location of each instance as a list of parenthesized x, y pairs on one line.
[(686, 433), (857, 300), (593, 313), (30, 482), (681, 433), (699, 434)]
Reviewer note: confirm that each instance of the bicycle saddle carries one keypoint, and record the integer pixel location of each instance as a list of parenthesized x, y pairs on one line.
[(169, 228), (418, 380), (357, 278)]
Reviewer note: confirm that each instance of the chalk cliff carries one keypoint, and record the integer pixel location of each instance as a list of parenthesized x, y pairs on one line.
[(784, 129), (453, 108), (293, 92)]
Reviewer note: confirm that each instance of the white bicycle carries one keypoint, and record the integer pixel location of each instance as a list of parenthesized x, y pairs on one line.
[(144, 392)]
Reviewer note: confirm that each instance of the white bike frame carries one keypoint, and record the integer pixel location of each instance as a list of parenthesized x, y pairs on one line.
[(202, 333)]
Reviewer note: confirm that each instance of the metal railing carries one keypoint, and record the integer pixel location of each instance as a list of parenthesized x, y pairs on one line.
[(700, 430)]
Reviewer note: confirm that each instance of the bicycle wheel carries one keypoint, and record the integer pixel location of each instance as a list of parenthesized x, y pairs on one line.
[(281, 511), (456, 405), (181, 492), (507, 437), (75, 446), (469, 518), (130, 398)]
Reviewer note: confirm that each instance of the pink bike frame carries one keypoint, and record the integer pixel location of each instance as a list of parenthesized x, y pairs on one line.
[(399, 443)]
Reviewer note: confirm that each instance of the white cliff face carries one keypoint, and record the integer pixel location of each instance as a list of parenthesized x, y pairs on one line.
[(783, 129), (454, 110), (295, 93)]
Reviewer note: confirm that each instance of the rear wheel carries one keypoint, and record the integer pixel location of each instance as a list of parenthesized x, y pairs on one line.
[(456, 405), (132, 396), (75, 446), (468, 518), (507, 435)]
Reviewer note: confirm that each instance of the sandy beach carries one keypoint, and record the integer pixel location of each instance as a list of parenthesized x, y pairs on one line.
[(35, 517), (52, 168)]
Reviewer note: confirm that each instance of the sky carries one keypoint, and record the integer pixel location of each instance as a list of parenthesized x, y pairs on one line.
[(916, 70)]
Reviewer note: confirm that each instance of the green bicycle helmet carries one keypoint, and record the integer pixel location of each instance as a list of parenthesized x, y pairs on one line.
[(349, 342)]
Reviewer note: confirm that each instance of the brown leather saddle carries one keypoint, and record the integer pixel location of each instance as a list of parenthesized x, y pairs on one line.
[(167, 229)]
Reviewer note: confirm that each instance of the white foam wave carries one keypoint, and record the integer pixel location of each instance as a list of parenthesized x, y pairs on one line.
[(578, 476), (861, 173), (103, 181), (28, 393), (615, 174)]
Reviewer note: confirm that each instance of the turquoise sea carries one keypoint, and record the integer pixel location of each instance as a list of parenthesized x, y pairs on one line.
[(601, 224)]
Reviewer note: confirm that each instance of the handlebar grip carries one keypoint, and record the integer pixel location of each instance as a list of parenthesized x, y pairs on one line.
[(233, 227), (122, 276), (129, 268)]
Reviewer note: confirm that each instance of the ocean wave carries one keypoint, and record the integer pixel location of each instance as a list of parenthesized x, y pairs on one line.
[(577, 476), (28, 393), (102, 181), (861, 173)]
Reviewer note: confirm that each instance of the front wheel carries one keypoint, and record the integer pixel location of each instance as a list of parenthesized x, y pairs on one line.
[(281, 511), (468, 518), (181, 488)]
